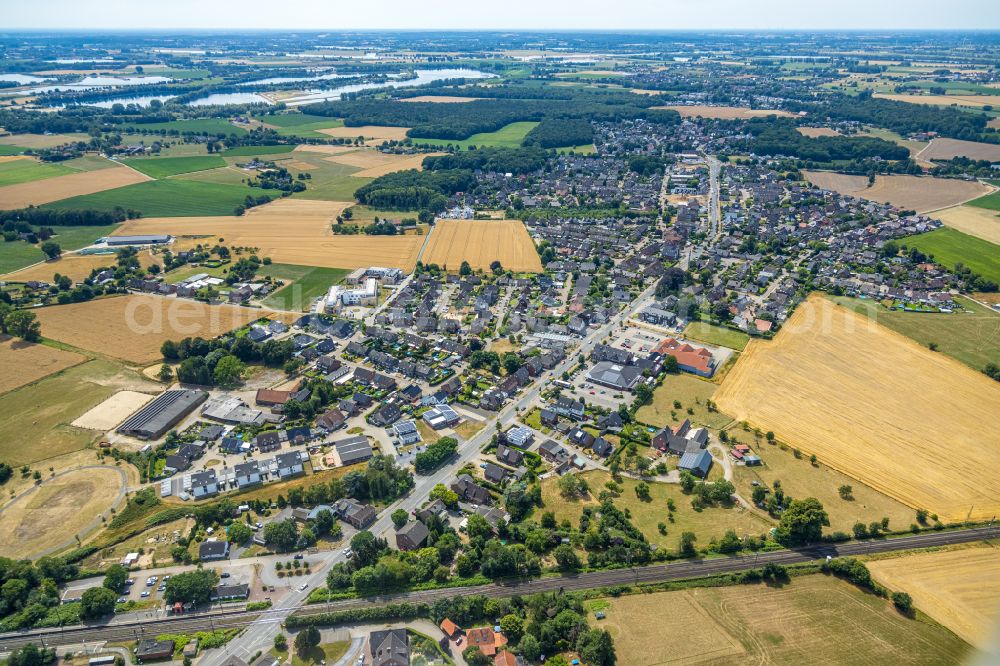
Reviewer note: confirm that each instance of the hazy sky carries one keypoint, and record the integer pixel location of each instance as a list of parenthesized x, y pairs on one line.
[(500, 14)]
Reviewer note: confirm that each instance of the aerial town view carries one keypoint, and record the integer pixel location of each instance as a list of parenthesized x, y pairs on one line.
[(549, 333)]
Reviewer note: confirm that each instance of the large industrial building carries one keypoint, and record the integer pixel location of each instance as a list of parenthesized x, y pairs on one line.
[(159, 416)]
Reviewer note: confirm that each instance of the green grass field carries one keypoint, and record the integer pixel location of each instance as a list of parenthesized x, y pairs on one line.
[(251, 151), (11, 150), (970, 337), (301, 124), (508, 136), (166, 198), (199, 125), (161, 167), (692, 392), (990, 201), (18, 254), (330, 181), (304, 284), (717, 335), (951, 247), (25, 171)]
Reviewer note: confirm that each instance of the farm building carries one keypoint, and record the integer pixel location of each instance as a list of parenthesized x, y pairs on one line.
[(156, 418), (148, 239), (696, 462)]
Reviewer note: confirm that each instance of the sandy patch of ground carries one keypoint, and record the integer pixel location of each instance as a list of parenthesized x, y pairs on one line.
[(867, 401), (379, 132), (980, 222), (724, 112), (814, 132), (440, 99), (292, 231), (134, 327), (958, 588), (946, 149), (38, 192), (25, 362), (75, 266), (920, 193), (480, 242), (112, 411), (52, 513)]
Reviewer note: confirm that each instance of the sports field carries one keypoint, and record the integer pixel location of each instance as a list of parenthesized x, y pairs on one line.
[(977, 218), (724, 112), (951, 247), (867, 401), (134, 327), (26, 362), (76, 185), (176, 197), (481, 242), (161, 167), (292, 231), (919, 193), (959, 588), (810, 620), (971, 337), (508, 136)]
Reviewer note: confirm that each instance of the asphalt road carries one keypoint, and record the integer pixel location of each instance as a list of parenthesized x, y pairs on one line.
[(266, 622)]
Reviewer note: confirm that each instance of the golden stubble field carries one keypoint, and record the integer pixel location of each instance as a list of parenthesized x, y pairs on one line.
[(26, 362), (369, 132), (374, 163), (813, 132), (958, 588), (946, 149), (292, 231), (38, 192), (51, 514), (75, 266), (980, 222), (724, 112), (876, 406), (134, 327), (920, 193), (481, 242), (975, 101)]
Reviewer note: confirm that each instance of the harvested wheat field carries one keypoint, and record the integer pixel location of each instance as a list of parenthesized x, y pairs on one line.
[(374, 163), (76, 266), (920, 193), (440, 99), (49, 515), (291, 231), (39, 140), (958, 588), (867, 402), (323, 148), (946, 149), (380, 132), (38, 192), (994, 123), (134, 327), (813, 132), (979, 222), (25, 362), (481, 242), (14, 158), (975, 101), (113, 411), (724, 112)]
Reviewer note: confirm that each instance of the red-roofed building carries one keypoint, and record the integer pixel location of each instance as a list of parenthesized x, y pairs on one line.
[(504, 658), (487, 640), (696, 360), (450, 629)]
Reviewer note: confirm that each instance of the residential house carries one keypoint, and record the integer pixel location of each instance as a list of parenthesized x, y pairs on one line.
[(412, 536)]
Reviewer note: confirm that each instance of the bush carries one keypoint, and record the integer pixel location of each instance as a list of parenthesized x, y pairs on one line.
[(903, 602)]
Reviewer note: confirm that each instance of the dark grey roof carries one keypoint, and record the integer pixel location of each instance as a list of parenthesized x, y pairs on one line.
[(164, 412)]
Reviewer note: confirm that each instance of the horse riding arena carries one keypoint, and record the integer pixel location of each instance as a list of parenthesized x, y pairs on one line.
[(920, 193), (113, 411), (26, 362), (875, 406), (133, 328), (959, 588), (291, 231), (481, 242)]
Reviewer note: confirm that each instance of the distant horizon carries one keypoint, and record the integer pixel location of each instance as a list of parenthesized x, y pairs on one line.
[(513, 15)]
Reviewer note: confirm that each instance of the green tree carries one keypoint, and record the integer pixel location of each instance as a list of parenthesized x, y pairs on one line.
[(51, 249), (445, 494), (239, 533), (165, 374), (23, 324), (687, 546), (529, 648), (802, 522), (115, 577), (280, 642), (98, 602), (903, 602), (366, 548), (229, 371), (191, 587), (512, 627), (566, 557), (306, 640), (400, 518), (281, 535), (465, 269), (474, 656), (596, 648)]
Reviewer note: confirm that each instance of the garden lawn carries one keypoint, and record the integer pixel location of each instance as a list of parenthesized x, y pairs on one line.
[(161, 167), (167, 198), (322, 654), (716, 335), (24, 171), (951, 247), (971, 337), (304, 284)]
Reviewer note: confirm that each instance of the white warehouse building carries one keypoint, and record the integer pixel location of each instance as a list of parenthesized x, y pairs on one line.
[(338, 296)]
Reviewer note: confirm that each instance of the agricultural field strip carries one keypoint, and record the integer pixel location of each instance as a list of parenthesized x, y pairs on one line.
[(480, 242)]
